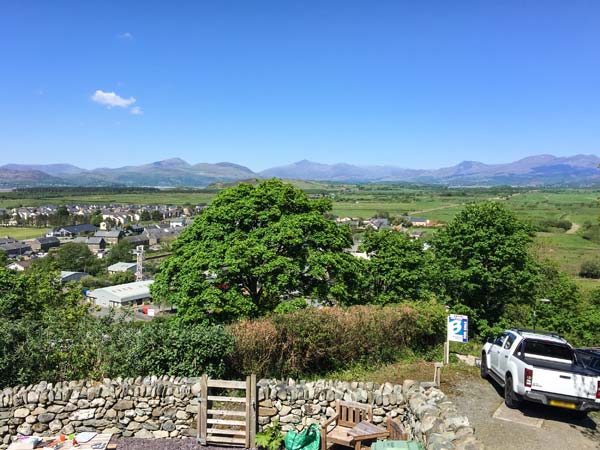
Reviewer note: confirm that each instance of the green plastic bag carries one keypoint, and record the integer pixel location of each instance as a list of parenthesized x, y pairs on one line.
[(308, 439)]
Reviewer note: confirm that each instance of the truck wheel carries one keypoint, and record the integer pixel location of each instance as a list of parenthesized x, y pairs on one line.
[(511, 398), (483, 366)]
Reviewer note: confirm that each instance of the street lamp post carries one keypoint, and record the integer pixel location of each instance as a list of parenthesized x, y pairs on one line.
[(541, 300)]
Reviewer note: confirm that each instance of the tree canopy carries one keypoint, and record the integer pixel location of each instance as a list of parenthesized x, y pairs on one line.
[(399, 267), (252, 247), (483, 261), (77, 257)]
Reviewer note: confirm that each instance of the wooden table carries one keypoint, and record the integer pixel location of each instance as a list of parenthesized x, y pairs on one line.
[(100, 440), (366, 431)]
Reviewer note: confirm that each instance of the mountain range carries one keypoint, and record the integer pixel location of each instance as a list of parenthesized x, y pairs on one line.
[(539, 170)]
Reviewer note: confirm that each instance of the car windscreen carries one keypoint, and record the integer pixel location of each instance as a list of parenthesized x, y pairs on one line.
[(548, 350)]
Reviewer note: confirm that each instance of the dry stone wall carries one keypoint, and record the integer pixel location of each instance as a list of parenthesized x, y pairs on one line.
[(167, 407)]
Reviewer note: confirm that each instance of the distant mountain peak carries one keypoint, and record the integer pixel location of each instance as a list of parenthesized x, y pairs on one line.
[(533, 170), (171, 162)]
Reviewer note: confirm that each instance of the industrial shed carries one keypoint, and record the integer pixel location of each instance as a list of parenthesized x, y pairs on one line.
[(122, 267), (127, 294)]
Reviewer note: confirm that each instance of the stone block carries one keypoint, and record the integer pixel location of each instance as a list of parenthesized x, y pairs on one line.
[(269, 412), (182, 415), (55, 425), (168, 425), (21, 413), (24, 429), (46, 417), (39, 427), (123, 405), (82, 414), (144, 434), (160, 434)]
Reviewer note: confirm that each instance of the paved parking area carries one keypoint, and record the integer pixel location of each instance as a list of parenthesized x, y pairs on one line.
[(533, 427)]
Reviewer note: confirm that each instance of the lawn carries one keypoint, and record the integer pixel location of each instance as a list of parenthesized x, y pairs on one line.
[(20, 233)]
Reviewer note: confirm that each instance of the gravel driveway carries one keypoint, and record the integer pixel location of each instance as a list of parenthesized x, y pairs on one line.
[(478, 399)]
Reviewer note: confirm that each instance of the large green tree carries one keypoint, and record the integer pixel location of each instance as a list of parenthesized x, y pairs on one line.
[(122, 252), (252, 247), (77, 257), (398, 269), (483, 262)]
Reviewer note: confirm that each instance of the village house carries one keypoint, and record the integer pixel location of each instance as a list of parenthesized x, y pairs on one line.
[(138, 239), (110, 237), (20, 266), (72, 230), (419, 222), (96, 243), (44, 244), (178, 222), (377, 223), (15, 249)]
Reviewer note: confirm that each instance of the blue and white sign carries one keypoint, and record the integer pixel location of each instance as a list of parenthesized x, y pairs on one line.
[(458, 328)]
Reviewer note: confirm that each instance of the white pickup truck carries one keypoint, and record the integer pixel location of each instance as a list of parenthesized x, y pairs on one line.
[(540, 367)]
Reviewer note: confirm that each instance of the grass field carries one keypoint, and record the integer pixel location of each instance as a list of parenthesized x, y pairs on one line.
[(568, 250), (20, 233)]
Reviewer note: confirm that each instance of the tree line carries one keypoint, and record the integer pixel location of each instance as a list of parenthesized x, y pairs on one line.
[(264, 277)]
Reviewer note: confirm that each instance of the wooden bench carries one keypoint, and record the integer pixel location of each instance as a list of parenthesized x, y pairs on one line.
[(396, 430), (352, 424)]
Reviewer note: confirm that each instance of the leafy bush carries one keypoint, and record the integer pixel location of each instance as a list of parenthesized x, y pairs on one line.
[(168, 347), (316, 341), (291, 305), (270, 439), (591, 233), (590, 269), (553, 225)]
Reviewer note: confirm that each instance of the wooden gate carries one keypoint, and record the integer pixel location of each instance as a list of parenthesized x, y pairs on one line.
[(234, 423)]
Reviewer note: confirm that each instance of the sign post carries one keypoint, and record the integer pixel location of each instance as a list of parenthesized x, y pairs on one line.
[(458, 331)]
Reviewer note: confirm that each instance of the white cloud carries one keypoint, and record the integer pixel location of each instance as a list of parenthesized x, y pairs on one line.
[(127, 35), (111, 99), (136, 111)]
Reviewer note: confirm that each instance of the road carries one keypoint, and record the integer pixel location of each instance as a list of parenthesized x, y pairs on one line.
[(574, 228), (534, 427)]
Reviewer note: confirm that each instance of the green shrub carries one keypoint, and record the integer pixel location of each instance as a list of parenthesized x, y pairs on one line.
[(169, 347), (591, 233), (317, 341), (590, 269), (553, 225), (270, 439), (291, 305)]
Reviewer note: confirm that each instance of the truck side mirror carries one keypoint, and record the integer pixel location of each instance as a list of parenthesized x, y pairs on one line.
[(490, 340)]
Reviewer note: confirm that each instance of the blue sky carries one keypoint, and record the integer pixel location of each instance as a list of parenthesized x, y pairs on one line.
[(420, 84)]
